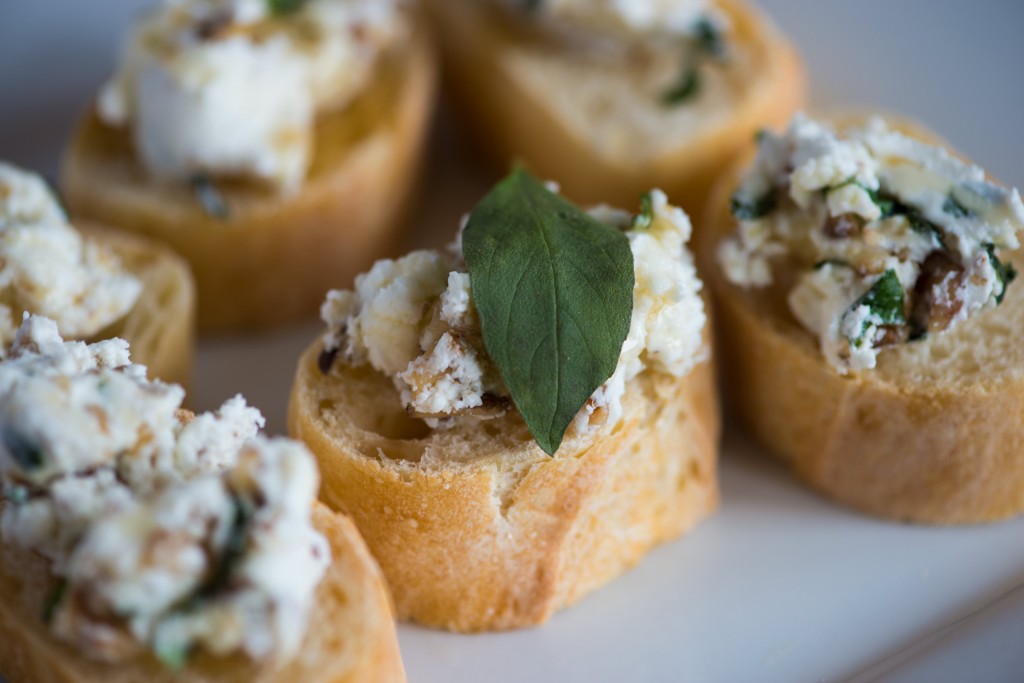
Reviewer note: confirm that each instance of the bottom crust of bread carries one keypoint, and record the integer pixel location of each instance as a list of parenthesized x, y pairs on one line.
[(932, 435), (475, 527), (160, 327), (351, 636)]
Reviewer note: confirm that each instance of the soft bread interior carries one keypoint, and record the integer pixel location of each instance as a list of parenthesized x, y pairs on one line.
[(592, 124)]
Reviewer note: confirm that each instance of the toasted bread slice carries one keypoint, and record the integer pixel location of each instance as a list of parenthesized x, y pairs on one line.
[(475, 527), (161, 325), (932, 434), (529, 103), (351, 636), (272, 257)]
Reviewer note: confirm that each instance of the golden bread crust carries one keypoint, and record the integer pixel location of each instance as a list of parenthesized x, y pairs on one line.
[(475, 527), (931, 435), (273, 257), (351, 636), (160, 327), (511, 125)]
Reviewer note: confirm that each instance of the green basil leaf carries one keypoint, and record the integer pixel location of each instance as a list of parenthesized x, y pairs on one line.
[(1004, 271), (209, 197), (708, 38), (14, 494), (173, 657), (53, 600), (884, 300), (643, 220), (26, 453), (684, 90), (752, 210), (234, 550), (553, 288), (281, 8), (954, 208)]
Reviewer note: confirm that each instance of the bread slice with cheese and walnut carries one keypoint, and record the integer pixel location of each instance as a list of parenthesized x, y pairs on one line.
[(141, 542), (424, 439), (275, 146), (611, 99), (95, 283), (869, 322)]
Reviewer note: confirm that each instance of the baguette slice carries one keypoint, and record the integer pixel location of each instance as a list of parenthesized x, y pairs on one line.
[(274, 256), (351, 636), (522, 108), (475, 527), (160, 327), (931, 435)]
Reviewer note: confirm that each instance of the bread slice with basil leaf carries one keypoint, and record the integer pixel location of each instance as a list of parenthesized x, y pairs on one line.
[(141, 542), (869, 321), (610, 100), (517, 422), (264, 239)]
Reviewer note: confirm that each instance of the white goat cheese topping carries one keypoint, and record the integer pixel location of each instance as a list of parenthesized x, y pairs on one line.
[(47, 267), (674, 17), (413, 320), (233, 88), (169, 532), (889, 238)]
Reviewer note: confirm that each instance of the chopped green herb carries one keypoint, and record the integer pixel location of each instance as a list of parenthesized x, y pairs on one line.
[(832, 262), (281, 8), (209, 197), (554, 291), (760, 135), (173, 657), (532, 6), (643, 220), (892, 206), (685, 89), (707, 43), (24, 451), (885, 203), (708, 38), (15, 494), (955, 208), (884, 300), (234, 549), (752, 210), (53, 600), (1005, 272)]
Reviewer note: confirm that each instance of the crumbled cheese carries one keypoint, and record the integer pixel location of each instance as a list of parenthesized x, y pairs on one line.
[(667, 324), (225, 87), (841, 211), (171, 533), (426, 335), (635, 16), (46, 266)]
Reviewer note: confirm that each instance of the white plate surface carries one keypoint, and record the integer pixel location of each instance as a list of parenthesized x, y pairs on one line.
[(781, 585)]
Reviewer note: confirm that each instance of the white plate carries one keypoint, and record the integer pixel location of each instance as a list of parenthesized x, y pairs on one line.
[(780, 585)]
